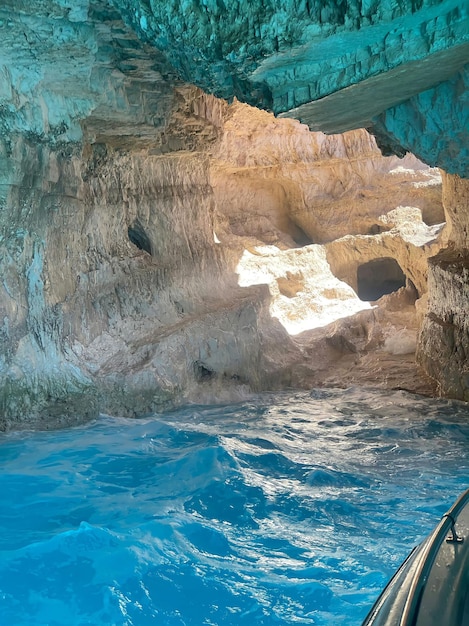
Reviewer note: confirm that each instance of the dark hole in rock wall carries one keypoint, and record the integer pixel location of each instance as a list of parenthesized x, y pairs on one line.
[(202, 372), (377, 229), (300, 237), (379, 277), (138, 237)]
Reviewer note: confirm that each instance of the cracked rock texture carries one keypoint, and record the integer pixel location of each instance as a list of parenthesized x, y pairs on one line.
[(159, 246), (444, 340), (397, 66)]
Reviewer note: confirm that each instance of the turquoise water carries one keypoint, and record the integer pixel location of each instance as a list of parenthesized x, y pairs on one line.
[(285, 509)]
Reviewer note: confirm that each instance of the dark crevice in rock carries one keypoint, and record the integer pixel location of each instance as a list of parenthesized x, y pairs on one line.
[(300, 237), (385, 142), (202, 372), (139, 237), (377, 229)]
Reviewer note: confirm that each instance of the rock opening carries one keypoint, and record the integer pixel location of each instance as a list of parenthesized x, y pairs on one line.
[(138, 237), (202, 372), (379, 277)]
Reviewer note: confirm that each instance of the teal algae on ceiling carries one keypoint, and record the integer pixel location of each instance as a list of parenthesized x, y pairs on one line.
[(437, 120), (284, 55), (396, 67)]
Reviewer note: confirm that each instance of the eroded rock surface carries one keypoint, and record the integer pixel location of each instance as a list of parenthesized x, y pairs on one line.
[(444, 341), (134, 209), (335, 66), (317, 188)]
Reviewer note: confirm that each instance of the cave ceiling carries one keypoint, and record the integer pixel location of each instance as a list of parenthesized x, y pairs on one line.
[(397, 68)]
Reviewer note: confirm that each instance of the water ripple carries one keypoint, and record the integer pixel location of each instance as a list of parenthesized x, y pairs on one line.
[(286, 509)]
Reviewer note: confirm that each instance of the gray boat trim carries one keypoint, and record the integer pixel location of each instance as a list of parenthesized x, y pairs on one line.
[(431, 586)]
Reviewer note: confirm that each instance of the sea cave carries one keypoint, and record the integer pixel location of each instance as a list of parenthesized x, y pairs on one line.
[(204, 202)]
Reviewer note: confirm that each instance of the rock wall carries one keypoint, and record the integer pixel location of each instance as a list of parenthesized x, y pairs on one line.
[(126, 274), (323, 187), (399, 69), (272, 177), (84, 144), (159, 246), (444, 340)]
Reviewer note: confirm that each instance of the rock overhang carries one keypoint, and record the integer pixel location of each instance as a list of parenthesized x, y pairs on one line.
[(291, 52), (106, 176), (335, 66)]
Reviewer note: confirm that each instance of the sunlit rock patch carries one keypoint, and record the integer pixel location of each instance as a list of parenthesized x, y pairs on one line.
[(317, 301)]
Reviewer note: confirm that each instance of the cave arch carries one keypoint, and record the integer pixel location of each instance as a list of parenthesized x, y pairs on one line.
[(379, 277)]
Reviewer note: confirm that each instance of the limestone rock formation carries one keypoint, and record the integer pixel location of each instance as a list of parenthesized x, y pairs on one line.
[(399, 69), (116, 295), (159, 246), (320, 187), (336, 66), (265, 172), (444, 343)]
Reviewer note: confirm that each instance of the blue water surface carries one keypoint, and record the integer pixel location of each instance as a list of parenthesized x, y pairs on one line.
[(285, 509)]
